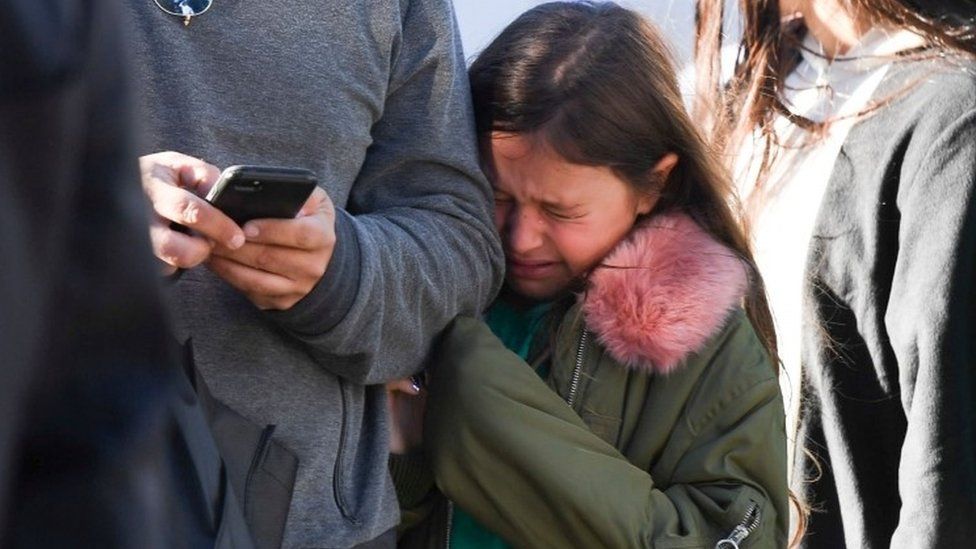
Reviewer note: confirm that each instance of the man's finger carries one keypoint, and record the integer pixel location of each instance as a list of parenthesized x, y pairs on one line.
[(267, 290), (189, 210), (317, 201), (304, 233), (272, 258), (177, 249), (199, 177), (179, 170)]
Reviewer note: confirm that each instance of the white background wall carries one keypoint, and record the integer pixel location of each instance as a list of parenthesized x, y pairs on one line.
[(481, 20)]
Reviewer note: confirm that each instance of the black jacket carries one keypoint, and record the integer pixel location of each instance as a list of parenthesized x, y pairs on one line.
[(890, 338), (102, 440)]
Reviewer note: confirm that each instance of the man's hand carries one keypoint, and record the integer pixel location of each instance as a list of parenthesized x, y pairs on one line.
[(175, 184), (283, 259)]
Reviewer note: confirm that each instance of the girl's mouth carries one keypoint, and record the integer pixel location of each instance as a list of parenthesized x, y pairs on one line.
[(531, 269)]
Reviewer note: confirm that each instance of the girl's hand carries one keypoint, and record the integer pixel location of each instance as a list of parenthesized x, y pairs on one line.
[(407, 402)]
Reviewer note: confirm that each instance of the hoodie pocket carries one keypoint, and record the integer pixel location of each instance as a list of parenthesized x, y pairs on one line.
[(261, 472), (268, 489)]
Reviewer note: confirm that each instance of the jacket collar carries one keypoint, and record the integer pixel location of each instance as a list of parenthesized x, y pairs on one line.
[(662, 293)]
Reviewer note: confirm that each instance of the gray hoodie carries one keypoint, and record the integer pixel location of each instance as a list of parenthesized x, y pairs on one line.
[(372, 96)]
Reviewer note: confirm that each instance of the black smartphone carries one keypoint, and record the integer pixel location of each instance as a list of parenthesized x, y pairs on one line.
[(255, 192)]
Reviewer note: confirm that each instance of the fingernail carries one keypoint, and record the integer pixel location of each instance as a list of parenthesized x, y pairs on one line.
[(236, 242), (417, 382), (250, 230)]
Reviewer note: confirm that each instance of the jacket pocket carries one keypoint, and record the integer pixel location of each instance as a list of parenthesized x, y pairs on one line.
[(233, 531), (268, 489), (261, 472)]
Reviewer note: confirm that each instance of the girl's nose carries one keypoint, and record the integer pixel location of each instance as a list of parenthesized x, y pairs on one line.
[(524, 230)]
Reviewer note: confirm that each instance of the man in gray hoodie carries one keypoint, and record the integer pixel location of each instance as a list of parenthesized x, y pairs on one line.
[(294, 322)]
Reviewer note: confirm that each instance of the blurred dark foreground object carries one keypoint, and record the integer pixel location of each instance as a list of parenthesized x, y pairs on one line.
[(103, 442)]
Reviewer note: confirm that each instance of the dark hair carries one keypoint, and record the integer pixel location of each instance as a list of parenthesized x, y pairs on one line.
[(596, 82), (769, 51)]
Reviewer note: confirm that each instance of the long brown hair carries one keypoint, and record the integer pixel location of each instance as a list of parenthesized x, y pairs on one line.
[(769, 50), (597, 83), (751, 100)]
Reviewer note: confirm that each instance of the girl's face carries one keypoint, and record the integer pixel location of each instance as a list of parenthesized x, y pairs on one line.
[(557, 220)]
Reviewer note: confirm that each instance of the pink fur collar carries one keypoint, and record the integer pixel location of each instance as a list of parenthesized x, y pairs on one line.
[(662, 293)]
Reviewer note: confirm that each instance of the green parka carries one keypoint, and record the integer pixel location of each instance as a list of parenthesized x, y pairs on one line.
[(660, 424)]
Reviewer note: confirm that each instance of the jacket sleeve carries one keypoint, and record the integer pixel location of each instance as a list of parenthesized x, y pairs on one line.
[(416, 245), (414, 482), (931, 322), (513, 454)]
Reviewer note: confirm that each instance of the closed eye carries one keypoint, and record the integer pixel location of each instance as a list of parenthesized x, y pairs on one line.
[(564, 215)]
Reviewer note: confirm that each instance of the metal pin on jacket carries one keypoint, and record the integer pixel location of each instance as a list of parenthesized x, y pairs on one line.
[(187, 9)]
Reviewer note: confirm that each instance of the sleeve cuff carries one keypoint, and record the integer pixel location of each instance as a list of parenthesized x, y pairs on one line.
[(412, 477), (332, 298)]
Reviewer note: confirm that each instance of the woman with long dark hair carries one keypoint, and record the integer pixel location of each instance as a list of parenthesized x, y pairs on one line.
[(851, 125)]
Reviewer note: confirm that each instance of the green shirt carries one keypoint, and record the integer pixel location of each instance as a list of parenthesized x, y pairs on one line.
[(517, 328)]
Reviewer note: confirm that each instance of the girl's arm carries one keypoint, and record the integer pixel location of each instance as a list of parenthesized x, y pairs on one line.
[(931, 322), (412, 477), (513, 454)]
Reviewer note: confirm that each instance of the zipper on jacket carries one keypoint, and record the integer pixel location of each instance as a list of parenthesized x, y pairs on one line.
[(577, 370), (338, 474), (748, 525), (450, 524), (264, 441)]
